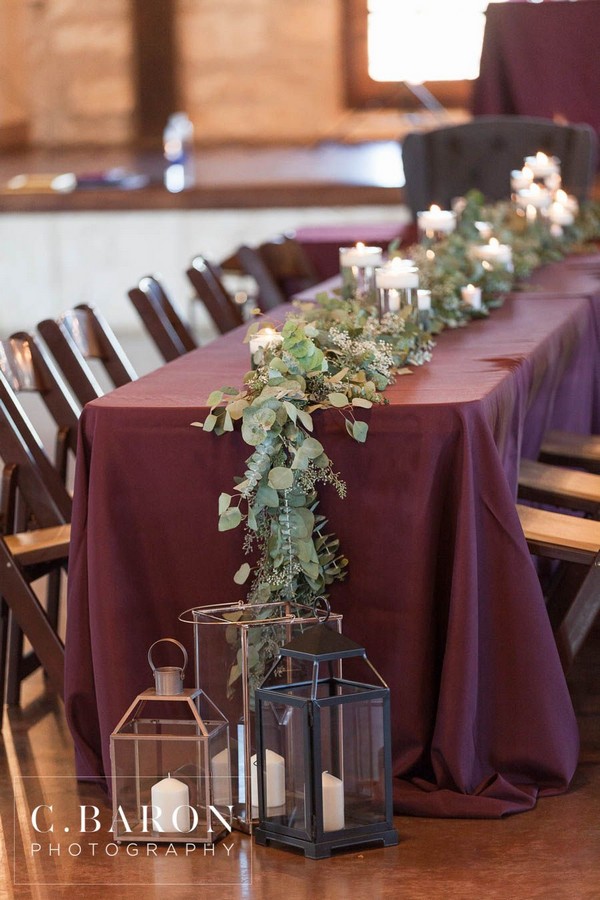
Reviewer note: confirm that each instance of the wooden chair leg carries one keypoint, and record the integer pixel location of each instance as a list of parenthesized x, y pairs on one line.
[(4, 614), (20, 664), (32, 618), (580, 616)]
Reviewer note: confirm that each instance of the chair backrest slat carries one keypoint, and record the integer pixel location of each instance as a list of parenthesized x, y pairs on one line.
[(206, 281)]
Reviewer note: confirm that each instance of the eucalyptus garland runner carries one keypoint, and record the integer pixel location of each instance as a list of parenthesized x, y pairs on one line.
[(337, 355)]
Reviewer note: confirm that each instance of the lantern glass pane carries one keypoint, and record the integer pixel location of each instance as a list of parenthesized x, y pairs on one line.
[(352, 762), (234, 648), (161, 779), (287, 765)]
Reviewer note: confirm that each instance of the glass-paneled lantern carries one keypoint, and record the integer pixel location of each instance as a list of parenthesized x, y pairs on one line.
[(324, 756), (170, 773)]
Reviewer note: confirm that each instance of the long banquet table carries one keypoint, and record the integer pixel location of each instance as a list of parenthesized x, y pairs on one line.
[(442, 590)]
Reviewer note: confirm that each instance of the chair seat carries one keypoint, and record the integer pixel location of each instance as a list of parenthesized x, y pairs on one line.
[(568, 448), (559, 486), (559, 535), (40, 545)]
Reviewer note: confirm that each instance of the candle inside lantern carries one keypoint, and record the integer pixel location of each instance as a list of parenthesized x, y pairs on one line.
[(333, 802), (471, 296), (274, 779), (221, 778), (171, 803)]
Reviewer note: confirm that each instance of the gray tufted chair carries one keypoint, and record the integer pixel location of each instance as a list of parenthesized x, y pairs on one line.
[(446, 162)]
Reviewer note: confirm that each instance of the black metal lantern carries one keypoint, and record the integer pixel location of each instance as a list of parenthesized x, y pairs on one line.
[(323, 748)]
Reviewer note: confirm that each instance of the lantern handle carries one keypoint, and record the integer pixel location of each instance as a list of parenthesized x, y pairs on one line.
[(169, 641), (322, 605)]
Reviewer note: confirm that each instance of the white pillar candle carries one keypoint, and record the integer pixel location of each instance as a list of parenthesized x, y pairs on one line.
[(434, 219), (361, 256), (535, 195), (171, 803), (493, 252), (424, 300), (568, 201), (274, 778), (521, 178), (542, 165), (484, 229), (471, 295), (391, 276), (220, 771), (560, 215), (333, 802)]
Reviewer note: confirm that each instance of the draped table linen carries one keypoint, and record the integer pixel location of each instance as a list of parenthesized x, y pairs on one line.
[(442, 590)]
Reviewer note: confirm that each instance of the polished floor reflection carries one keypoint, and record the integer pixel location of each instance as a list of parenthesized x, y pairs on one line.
[(551, 852)]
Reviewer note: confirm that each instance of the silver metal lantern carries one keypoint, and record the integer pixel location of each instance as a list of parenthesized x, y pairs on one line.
[(170, 772)]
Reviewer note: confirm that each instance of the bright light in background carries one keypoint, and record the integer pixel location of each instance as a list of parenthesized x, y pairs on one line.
[(425, 40)]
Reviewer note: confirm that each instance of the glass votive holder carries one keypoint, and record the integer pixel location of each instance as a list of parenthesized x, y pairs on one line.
[(424, 309), (435, 224), (542, 166), (357, 268), (397, 290), (262, 344)]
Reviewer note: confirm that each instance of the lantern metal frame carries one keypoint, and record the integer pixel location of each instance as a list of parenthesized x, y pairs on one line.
[(203, 735), (322, 646), (289, 617)]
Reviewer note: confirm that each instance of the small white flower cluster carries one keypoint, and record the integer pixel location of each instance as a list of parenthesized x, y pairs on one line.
[(376, 354)]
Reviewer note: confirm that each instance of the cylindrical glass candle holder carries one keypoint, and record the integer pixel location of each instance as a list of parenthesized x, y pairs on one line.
[(434, 224), (397, 290), (357, 267)]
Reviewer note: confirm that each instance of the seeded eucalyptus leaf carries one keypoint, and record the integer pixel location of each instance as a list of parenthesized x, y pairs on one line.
[(336, 398), (267, 496), (291, 410), (312, 448), (215, 398), (281, 478), (305, 420), (209, 422), (360, 401), (359, 431), (241, 576), (224, 502), (231, 518)]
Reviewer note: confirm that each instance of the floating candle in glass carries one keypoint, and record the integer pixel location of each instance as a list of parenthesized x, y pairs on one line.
[(357, 267)]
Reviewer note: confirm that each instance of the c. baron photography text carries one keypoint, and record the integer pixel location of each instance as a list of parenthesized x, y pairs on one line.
[(152, 839), (225, 848)]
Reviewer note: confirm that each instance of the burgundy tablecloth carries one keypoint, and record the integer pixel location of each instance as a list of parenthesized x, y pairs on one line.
[(442, 589), (541, 59)]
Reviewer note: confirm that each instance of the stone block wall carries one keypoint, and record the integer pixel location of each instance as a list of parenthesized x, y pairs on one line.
[(258, 71)]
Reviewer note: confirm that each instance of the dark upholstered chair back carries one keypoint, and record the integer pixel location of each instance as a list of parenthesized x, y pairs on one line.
[(447, 162)]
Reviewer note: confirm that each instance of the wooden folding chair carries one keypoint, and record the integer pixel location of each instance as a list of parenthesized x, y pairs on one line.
[(36, 511), (82, 334), (28, 368), (280, 268), (581, 451), (559, 486), (163, 322), (574, 598), (205, 279)]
